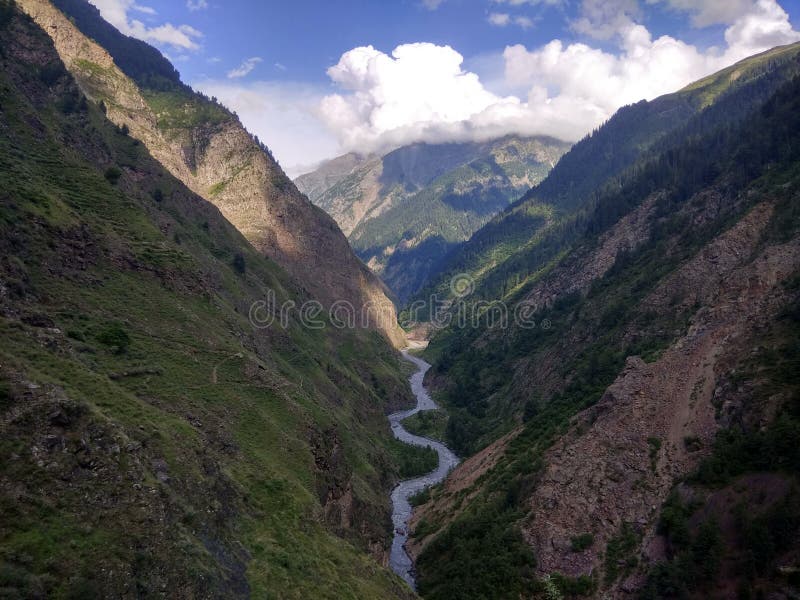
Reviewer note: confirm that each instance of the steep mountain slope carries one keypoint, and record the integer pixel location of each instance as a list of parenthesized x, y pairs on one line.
[(403, 212), (657, 345), (347, 203), (152, 441), (507, 253), (206, 147)]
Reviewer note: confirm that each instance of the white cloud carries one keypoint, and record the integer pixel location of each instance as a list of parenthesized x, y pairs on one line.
[(283, 115), (116, 12), (603, 19), (144, 9), (194, 5), (710, 12), (524, 22), (432, 4), (421, 93), (504, 19), (499, 19), (245, 68)]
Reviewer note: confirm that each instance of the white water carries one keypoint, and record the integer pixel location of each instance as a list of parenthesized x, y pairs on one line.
[(399, 560)]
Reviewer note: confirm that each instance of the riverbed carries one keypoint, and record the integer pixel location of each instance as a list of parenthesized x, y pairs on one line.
[(399, 560)]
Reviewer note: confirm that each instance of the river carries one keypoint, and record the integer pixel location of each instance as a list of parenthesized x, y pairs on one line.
[(399, 560)]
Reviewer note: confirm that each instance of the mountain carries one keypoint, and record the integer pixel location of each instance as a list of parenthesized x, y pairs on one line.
[(507, 254), (343, 205), (622, 380), (153, 442), (205, 146), (405, 211)]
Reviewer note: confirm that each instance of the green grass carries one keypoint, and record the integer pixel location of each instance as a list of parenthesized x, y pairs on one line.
[(154, 355), (178, 110)]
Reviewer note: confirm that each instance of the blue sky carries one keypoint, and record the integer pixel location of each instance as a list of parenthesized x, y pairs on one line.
[(317, 78)]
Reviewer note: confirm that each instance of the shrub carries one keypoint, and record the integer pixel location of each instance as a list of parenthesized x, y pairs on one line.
[(5, 394), (621, 553), (420, 497), (116, 338), (113, 174), (239, 264), (582, 585), (581, 542)]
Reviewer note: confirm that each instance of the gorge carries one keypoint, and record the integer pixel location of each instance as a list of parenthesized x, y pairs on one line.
[(585, 383)]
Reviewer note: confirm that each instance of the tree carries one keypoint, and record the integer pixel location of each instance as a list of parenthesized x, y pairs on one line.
[(239, 264)]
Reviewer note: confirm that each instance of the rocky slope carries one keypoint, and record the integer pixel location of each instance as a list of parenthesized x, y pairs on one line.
[(206, 147), (618, 444), (404, 211), (152, 441), (354, 198)]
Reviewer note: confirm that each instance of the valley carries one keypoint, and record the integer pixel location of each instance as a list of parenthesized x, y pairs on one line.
[(399, 560), (463, 359)]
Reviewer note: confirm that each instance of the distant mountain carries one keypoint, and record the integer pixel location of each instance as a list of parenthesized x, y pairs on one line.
[(625, 388), (326, 176), (205, 146), (405, 211)]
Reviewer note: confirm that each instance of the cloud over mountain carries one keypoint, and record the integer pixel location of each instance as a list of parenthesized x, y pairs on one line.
[(420, 92)]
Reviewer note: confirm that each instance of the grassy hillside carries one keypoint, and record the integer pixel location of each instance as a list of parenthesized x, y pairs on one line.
[(153, 441)]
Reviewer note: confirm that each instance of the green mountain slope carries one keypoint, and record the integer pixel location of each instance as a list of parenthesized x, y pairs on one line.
[(205, 146), (507, 253), (659, 346), (405, 211), (153, 442)]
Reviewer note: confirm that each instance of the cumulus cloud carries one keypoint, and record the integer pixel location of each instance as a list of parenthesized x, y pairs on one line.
[(421, 93), (117, 12), (245, 68)]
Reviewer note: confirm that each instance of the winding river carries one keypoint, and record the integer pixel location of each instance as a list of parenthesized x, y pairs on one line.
[(399, 560)]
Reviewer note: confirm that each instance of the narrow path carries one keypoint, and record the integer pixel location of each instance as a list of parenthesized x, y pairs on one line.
[(399, 560)]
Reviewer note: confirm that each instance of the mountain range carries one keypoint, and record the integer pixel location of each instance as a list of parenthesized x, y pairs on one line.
[(403, 212), (613, 346)]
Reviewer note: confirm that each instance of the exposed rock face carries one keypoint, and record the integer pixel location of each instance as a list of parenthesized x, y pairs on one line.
[(608, 469), (219, 160), (590, 265), (343, 205)]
